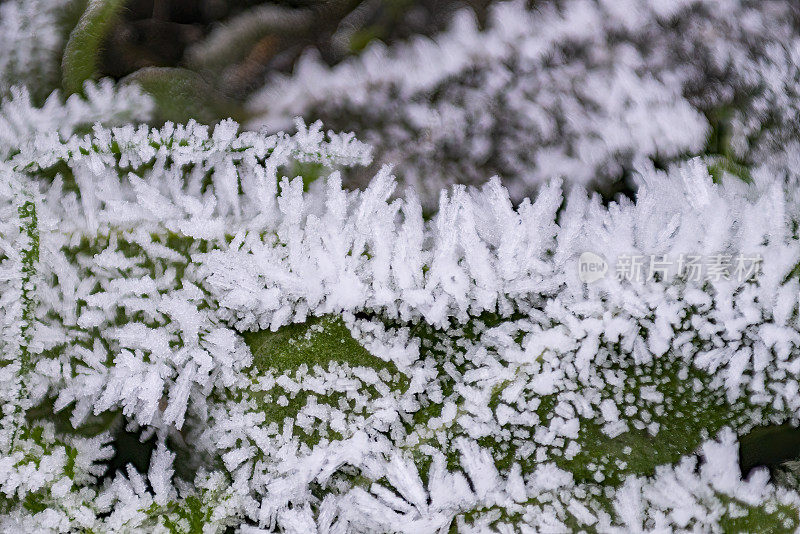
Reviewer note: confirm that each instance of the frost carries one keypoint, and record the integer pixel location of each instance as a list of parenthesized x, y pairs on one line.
[(334, 360), (580, 89), (21, 121), (30, 41)]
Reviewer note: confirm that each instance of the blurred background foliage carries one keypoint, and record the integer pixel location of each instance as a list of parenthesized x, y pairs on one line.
[(201, 58), (204, 59)]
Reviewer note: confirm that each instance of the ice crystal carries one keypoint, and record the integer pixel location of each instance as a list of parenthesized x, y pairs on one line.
[(332, 360)]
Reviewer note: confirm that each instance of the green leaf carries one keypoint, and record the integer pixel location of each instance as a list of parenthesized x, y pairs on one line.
[(181, 94), (320, 341), (718, 166), (82, 53), (774, 517), (315, 342)]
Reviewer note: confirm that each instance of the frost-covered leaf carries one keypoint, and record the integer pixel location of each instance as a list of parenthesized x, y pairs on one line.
[(303, 356)]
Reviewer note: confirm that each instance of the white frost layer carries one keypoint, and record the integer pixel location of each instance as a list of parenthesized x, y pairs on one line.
[(291, 254), (481, 254), (174, 345), (104, 103), (261, 254)]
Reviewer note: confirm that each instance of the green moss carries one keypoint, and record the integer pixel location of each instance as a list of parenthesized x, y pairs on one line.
[(692, 417), (737, 517), (718, 166), (34, 503), (720, 156), (308, 171), (691, 411), (340, 482), (364, 36)]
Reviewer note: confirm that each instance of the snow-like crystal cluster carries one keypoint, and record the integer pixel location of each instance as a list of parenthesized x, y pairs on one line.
[(332, 361), (196, 336), (21, 120), (32, 37), (30, 41), (573, 89)]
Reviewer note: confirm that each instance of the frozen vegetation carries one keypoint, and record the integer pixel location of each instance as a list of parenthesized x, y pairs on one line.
[(203, 330), (579, 89)]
